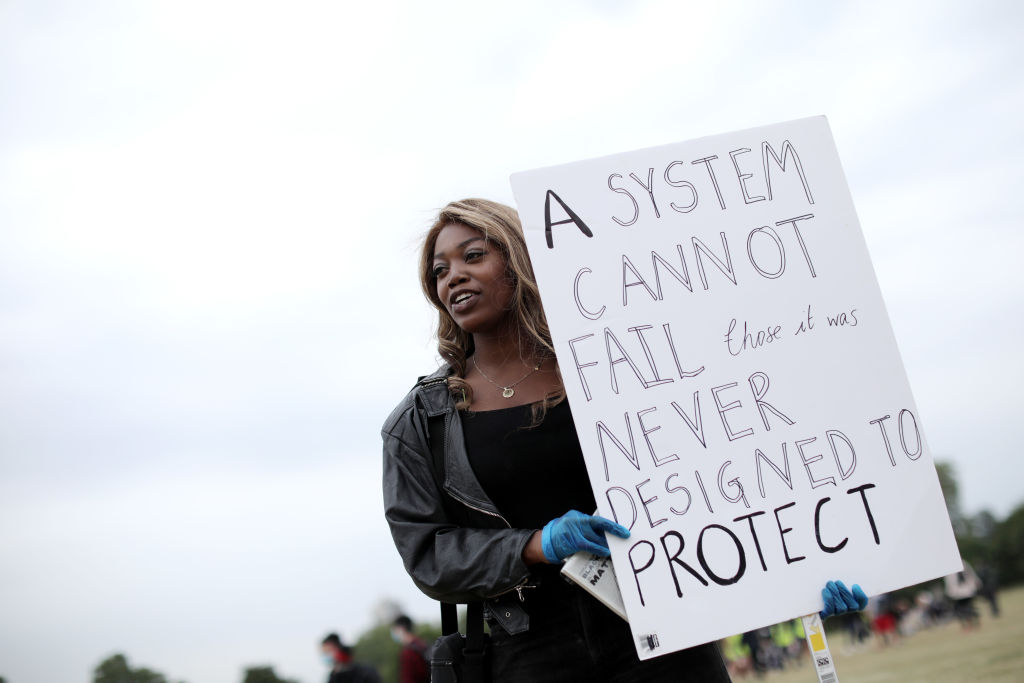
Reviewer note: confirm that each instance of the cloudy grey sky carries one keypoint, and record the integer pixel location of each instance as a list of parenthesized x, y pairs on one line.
[(208, 302)]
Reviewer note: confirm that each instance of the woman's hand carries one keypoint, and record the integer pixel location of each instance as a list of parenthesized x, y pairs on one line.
[(575, 531), (840, 600)]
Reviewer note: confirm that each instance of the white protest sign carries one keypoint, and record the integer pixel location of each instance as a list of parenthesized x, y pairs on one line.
[(734, 380)]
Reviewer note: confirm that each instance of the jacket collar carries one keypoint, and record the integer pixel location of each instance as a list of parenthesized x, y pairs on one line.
[(459, 480), (433, 392)]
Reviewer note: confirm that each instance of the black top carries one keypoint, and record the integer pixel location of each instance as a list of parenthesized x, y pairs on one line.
[(533, 474)]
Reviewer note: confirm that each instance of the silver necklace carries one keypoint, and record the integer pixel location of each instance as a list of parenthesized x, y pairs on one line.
[(506, 391)]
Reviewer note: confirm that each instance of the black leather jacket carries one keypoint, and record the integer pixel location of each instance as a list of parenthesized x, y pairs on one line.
[(481, 560)]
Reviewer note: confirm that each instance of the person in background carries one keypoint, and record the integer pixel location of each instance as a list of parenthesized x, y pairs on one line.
[(989, 586), (412, 660), (338, 657), (752, 641), (510, 508), (961, 588), (737, 655), (884, 622)]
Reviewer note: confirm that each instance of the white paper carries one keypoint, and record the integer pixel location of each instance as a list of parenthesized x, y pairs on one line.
[(596, 575), (672, 416)]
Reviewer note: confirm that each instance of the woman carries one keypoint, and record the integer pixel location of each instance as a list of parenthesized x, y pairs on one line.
[(510, 507)]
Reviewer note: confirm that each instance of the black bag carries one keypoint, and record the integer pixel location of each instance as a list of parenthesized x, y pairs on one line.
[(457, 658)]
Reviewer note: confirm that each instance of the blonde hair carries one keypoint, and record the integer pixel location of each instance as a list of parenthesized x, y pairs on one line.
[(500, 226)]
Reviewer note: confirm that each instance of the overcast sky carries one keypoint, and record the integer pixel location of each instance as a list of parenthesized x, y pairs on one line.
[(209, 214)]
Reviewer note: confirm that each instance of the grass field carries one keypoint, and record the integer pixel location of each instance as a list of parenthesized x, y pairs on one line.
[(993, 653)]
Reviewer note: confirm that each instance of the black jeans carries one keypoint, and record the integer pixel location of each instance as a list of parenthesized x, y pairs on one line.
[(573, 637)]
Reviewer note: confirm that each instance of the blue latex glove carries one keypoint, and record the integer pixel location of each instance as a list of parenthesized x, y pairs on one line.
[(575, 531), (840, 600)]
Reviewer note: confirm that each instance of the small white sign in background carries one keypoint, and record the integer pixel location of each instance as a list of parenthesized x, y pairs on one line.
[(734, 380)]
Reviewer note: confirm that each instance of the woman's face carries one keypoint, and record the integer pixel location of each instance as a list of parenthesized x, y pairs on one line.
[(471, 280)]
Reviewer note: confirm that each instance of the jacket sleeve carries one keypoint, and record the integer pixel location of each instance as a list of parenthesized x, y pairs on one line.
[(447, 562)]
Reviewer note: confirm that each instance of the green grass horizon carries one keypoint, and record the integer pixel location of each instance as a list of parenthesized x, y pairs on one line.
[(993, 653)]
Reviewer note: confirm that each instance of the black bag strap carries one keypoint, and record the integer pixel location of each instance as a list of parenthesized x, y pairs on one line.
[(474, 665), (449, 619), (475, 627), (474, 623)]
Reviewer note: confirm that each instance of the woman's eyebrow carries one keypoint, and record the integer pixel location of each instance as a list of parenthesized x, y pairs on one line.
[(461, 245)]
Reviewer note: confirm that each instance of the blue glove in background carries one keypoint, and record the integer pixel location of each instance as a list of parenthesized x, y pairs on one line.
[(840, 600), (575, 531)]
